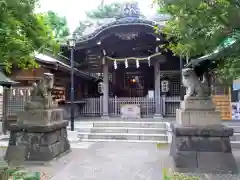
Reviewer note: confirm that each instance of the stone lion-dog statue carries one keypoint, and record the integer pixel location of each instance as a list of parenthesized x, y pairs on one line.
[(194, 86), (41, 97)]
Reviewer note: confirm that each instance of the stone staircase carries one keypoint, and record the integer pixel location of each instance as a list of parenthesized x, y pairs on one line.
[(143, 130), (127, 131)]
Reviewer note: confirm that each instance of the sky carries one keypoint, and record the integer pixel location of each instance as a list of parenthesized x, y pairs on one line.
[(74, 10)]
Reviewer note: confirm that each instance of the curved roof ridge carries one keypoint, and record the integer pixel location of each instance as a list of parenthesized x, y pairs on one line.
[(122, 21)]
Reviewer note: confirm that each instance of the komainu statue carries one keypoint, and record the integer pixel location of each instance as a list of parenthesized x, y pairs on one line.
[(41, 97), (195, 87)]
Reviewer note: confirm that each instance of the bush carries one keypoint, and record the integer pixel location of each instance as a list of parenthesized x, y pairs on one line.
[(19, 174)]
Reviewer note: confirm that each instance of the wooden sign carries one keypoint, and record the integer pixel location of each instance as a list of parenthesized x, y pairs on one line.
[(130, 111)]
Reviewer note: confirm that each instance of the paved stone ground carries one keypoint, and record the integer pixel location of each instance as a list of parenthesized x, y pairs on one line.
[(115, 161), (109, 161)]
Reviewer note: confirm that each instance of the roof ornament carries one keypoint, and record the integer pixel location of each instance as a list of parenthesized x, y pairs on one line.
[(131, 10)]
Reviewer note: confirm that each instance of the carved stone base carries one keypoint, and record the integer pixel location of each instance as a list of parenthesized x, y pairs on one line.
[(197, 117), (41, 143), (198, 111), (202, 149), (199, 103), (40, 117)]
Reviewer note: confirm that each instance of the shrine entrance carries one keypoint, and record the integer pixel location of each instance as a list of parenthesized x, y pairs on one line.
[(132, 81)]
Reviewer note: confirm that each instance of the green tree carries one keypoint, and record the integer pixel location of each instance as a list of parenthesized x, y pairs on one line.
[(58, 24), (198, 27), (22, 33)]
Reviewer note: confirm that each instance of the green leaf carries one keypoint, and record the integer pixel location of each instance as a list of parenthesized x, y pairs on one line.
[(198, 27)]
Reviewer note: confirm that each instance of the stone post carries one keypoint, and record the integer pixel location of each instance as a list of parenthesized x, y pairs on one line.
[(157, 90), (105, 88)]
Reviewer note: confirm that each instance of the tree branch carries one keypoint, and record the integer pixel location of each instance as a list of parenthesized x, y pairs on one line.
[(220, 18)]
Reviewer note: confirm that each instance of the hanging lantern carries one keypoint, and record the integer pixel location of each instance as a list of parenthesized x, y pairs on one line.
[(165, 86), (115, 64), (137, 63), (126, 63), (100, 87)]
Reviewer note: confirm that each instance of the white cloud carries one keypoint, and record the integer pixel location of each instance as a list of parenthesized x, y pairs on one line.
[(74, 10)]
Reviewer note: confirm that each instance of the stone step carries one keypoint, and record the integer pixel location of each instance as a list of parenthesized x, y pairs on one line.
[(123, 136), (235, 128), (235, 144), (141, 124), (131, 130), (123, 140), (235, 137)]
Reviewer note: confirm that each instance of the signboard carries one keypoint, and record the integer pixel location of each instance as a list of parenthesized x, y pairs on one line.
[(130, 111), (151, 94)]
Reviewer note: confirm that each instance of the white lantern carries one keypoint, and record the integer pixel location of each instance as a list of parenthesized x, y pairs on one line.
[(165, 86), (100, 87)]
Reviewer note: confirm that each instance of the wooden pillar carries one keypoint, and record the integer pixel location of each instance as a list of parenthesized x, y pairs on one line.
[(105, 88), (157, 90)]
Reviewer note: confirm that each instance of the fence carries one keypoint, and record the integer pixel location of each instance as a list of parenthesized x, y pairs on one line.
[(18, 96), (147, 105), (171, 104), (93, 106)]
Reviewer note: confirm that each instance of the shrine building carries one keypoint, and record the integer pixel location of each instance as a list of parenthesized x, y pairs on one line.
[(125, 54), (117, 63)]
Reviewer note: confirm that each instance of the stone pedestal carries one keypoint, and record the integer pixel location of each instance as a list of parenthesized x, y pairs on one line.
[(41, 133), (40, 117), (205, 149), (199, 142), (197, 111), (41, 143)]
